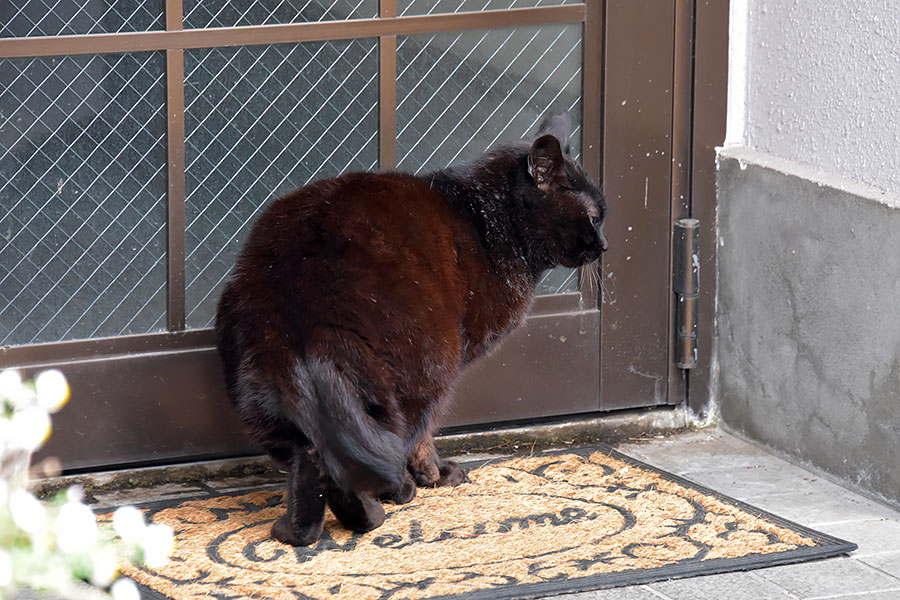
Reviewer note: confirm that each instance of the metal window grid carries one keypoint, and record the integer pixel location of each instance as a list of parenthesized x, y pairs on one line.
[(397, 46)]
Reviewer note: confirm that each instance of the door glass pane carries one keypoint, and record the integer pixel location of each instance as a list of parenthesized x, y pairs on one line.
[(462, 93), (262, 120), (83, 196), (21, 18), (238, 13)]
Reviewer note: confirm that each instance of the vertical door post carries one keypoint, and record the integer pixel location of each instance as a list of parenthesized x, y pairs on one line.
[(637, 161), (175, 284), (592, 124), (387, 92)]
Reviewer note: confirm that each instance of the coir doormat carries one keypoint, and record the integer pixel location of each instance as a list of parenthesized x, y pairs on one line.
[(523, 527)]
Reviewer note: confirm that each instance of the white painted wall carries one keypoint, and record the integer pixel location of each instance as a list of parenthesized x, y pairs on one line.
[(818, 83)]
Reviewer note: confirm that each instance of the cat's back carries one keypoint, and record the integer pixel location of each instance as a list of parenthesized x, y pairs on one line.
[(369, 248), (354, 220)]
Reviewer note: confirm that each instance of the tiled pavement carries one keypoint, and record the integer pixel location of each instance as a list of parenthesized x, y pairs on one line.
[(743, 471)]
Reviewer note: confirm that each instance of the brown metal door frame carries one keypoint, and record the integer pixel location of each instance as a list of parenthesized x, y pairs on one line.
[(638, 336), (139, 385), (638, 127), (256, 35)]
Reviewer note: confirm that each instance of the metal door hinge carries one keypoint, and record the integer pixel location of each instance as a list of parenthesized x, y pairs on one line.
[(686, 284)]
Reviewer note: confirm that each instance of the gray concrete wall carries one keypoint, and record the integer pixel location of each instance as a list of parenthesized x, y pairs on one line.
[(808, 317)]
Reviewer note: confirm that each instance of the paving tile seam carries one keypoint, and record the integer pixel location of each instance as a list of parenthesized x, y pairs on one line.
[(794, 493), (877, 554), (854, 594), (657, 593), (847, 522), (862, 561), (814, 569), (789, 595)]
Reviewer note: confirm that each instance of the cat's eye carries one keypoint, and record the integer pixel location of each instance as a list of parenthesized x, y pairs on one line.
[(595, 221)]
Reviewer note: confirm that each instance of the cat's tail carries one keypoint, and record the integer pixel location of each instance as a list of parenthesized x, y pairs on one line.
[(356, 451)]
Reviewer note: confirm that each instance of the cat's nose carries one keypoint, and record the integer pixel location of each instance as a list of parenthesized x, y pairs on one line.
[(597, 222), (604, 243)]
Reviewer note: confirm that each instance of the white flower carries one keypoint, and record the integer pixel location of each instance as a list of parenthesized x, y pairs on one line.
[(129, 524), (5, 568), (124, 589), (75, 493), (12, 388), (76, 528), (103, 567), (6, 430), (158, 543), (10, 382), (30, 428), (27, 512), (4, 493), (52, 389)]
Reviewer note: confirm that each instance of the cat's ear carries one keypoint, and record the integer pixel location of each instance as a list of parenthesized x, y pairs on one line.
[(544, 161), (560, 127)]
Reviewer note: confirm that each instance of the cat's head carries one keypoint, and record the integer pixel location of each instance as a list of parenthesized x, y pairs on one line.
[(564, 208)]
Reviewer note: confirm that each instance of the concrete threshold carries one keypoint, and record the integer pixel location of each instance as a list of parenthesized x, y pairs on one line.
[(610, 428)]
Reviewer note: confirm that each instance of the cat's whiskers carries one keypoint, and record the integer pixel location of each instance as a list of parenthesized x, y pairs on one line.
[(594, 280), (591, 269), (607, 295)]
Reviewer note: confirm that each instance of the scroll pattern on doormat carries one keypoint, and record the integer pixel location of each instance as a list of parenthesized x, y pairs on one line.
[(523, 527)]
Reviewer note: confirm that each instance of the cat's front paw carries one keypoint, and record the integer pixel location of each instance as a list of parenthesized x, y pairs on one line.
[(401, 495), (368, 515), (426, 475), (451, 474), (439, 473), (284, 532)]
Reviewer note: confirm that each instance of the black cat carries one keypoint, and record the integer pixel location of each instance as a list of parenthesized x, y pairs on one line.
[(357, 300)]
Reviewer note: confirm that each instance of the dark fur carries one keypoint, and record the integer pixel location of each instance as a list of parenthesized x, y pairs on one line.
[(357, 300)]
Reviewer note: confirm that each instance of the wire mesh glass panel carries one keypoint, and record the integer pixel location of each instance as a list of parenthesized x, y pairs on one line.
[(261, 121), (462, 93), (83, 196), (235, 13), (558, 281), (22, 18), (428, 7)]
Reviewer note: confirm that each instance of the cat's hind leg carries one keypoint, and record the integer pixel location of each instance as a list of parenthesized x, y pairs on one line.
[(358, 511), (302, 524), (430, 470)]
